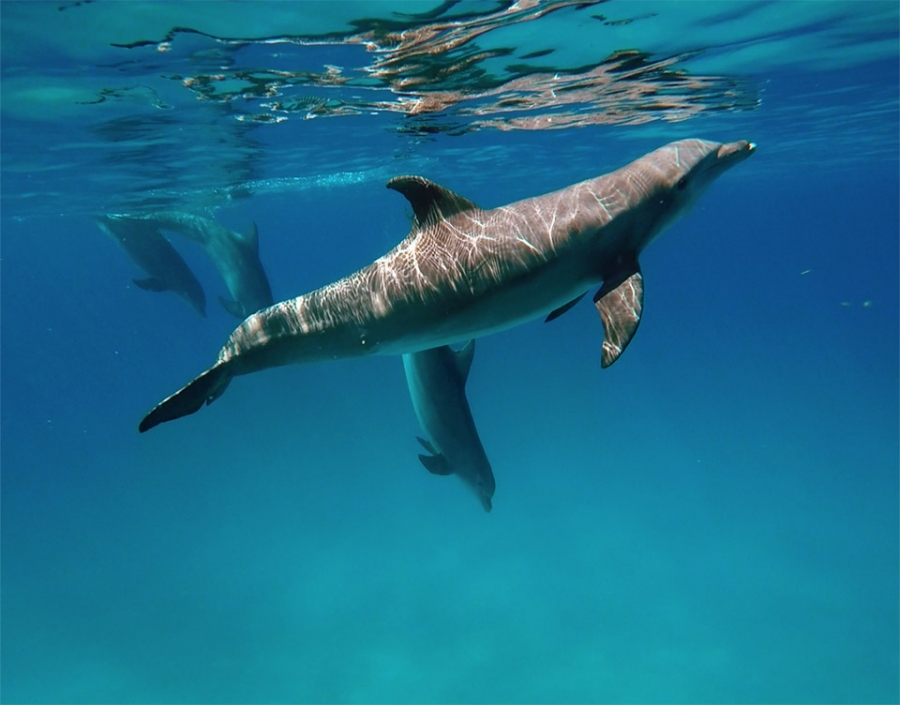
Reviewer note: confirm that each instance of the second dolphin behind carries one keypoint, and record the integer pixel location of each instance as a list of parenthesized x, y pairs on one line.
[(437, 386), (148, 248), (234, 254)]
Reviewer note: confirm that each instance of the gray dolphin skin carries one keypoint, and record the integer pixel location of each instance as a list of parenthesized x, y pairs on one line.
[(463, 272), (234, 254), (148, 248), (437, 386)]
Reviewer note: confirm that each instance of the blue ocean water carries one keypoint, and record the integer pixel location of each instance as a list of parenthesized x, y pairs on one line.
[(713, 519)]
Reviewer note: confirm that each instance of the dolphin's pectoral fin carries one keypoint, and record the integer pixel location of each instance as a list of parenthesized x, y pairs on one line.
[(436, 464), (204, 389), (430, 202), (562, 309), (620, 302), (464, 359), (427, 446), (233, 307), (150, 284)]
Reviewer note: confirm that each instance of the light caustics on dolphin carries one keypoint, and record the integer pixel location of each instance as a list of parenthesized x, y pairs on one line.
[(437, 386), (463, 272)]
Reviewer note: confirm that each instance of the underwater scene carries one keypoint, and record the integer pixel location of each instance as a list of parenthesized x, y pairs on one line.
[(328, 374)]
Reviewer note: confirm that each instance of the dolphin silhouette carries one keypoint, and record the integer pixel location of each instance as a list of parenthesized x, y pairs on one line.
[(463, 272), (148, 248), (437, 386), (234, 254)]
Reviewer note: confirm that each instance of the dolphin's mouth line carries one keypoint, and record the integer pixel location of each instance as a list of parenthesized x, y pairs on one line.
[(731, 157)]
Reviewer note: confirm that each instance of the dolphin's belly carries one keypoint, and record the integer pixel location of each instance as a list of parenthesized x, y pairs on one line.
[(501, 309)]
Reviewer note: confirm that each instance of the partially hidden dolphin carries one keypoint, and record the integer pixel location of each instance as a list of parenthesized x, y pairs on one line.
[(437, 386), (148, 248), (463, 272), (234, 254)]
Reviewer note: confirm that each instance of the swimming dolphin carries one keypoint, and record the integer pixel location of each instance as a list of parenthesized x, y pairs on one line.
[(437, 386), (463, 272), (235, 255), (148, 249)]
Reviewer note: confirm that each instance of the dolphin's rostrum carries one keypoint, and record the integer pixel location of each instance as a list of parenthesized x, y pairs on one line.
[(463, 272)]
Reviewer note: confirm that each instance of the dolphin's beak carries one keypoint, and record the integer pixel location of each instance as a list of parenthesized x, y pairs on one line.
[(735, 152)]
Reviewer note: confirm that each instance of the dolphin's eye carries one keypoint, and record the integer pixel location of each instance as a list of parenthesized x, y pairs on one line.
[(682, 182)]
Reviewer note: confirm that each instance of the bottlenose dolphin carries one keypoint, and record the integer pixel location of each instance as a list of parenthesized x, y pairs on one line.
[(234, 254), (463, 272), (437, 386), (148, 249)]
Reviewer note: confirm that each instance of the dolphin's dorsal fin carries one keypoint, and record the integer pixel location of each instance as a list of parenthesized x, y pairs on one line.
[(436, 464), (464, 359), (430, 202), (556, 313), (620, 302), (150, 284)]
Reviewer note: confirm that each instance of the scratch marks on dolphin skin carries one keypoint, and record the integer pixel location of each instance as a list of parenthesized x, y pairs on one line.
[(551, 237), (601, 201)]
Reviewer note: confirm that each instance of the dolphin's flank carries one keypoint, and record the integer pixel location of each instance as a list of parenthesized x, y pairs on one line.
[(463, 272)]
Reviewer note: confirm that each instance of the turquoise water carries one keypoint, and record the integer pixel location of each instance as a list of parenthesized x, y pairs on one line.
[(714, 519)]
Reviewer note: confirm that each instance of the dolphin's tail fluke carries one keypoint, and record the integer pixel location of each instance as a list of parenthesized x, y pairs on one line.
[(204, 389)]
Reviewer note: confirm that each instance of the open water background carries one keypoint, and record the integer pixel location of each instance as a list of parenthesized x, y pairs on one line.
[(713, 519)]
